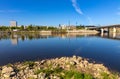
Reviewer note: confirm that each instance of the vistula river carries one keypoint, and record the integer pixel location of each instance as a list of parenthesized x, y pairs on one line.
[(25, 47)]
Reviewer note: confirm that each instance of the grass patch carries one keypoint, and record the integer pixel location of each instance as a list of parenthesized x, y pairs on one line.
[(31, 78), (67, 74), (109, 76), (76, 75), (30, 63), (9, 65), (49, 71)]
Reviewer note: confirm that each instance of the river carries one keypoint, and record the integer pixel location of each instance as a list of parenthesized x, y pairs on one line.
[(25, 47)]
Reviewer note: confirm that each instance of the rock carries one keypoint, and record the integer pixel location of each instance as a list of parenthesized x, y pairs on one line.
[(12, 74), (7, 70), (7, 75), (74, 57), (42, 68), (72, 63), (23, 67), (21, 73), (42, 62), (41, 76), (56, 77), (36, 62), (33, 76)]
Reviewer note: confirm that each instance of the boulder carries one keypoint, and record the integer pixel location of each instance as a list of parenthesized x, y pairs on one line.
[(7, 70)]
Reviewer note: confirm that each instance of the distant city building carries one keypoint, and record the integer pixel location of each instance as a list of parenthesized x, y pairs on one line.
[(62, 26), (71, 27), (90, 27), (13, 23)]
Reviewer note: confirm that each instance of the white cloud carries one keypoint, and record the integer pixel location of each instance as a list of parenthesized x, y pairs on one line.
[(79, 11), (77, 8)]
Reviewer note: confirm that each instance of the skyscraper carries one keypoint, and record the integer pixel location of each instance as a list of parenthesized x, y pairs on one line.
[(13, 23)]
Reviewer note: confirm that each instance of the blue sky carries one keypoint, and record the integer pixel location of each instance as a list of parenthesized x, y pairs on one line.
[(55, 12)]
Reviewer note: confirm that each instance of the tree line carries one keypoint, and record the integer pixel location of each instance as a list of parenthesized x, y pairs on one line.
[(37, 28)]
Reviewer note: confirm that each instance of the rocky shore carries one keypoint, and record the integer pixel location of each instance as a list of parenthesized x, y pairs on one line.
[(58, 68)]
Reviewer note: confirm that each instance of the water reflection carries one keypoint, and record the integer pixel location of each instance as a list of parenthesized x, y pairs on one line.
[(32, 36), (114, 36), (16, 37)]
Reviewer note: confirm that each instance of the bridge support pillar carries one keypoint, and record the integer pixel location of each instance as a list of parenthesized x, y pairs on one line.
[(114, 30), (102, 32)]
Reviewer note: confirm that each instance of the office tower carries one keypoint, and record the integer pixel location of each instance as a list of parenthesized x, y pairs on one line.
[(13, 23)]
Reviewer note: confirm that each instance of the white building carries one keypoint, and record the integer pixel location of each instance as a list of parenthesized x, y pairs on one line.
[(13, 23), (62, 27)]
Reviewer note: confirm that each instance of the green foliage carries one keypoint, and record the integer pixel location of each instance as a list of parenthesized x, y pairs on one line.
[(80, 27), (67, 74), (88, 76), (49, 71), (22, 27), (30, 28), (109, 76), (30, 63), (31, 78), (76, 75), (4, 28), (9, 65), (35, 28), (52, 28)]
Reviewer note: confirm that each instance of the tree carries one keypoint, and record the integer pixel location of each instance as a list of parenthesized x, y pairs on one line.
[(30, 27), (22, 27), (80, 27)]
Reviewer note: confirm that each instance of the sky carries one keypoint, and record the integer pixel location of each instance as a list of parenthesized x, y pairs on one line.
[(55, 12)]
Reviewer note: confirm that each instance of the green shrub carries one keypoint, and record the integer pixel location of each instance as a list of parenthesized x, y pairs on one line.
[(87, 76), (109, 76), (30, 63), (76, 75), (67, 74)]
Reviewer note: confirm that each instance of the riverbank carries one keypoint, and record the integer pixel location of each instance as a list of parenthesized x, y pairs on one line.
[(58, 68), (53, 31)]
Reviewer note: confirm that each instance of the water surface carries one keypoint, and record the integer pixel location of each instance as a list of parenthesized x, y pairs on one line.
[(20, 47)]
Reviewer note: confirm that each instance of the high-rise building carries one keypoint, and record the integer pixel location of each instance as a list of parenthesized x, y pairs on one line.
[(13, 23)]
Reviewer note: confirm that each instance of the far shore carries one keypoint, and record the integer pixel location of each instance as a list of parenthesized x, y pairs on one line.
[(48, 31)]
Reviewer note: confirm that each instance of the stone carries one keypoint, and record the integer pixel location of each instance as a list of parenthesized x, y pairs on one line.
[(74, 57), (72, 63), (7, 70), (12, 74), (66, 63), (36, 62), (7, 75), (56, 77), (42, 62), (41, 76), (34, 76)]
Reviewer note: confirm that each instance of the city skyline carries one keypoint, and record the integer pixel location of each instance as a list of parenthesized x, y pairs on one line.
[(46, 12)]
